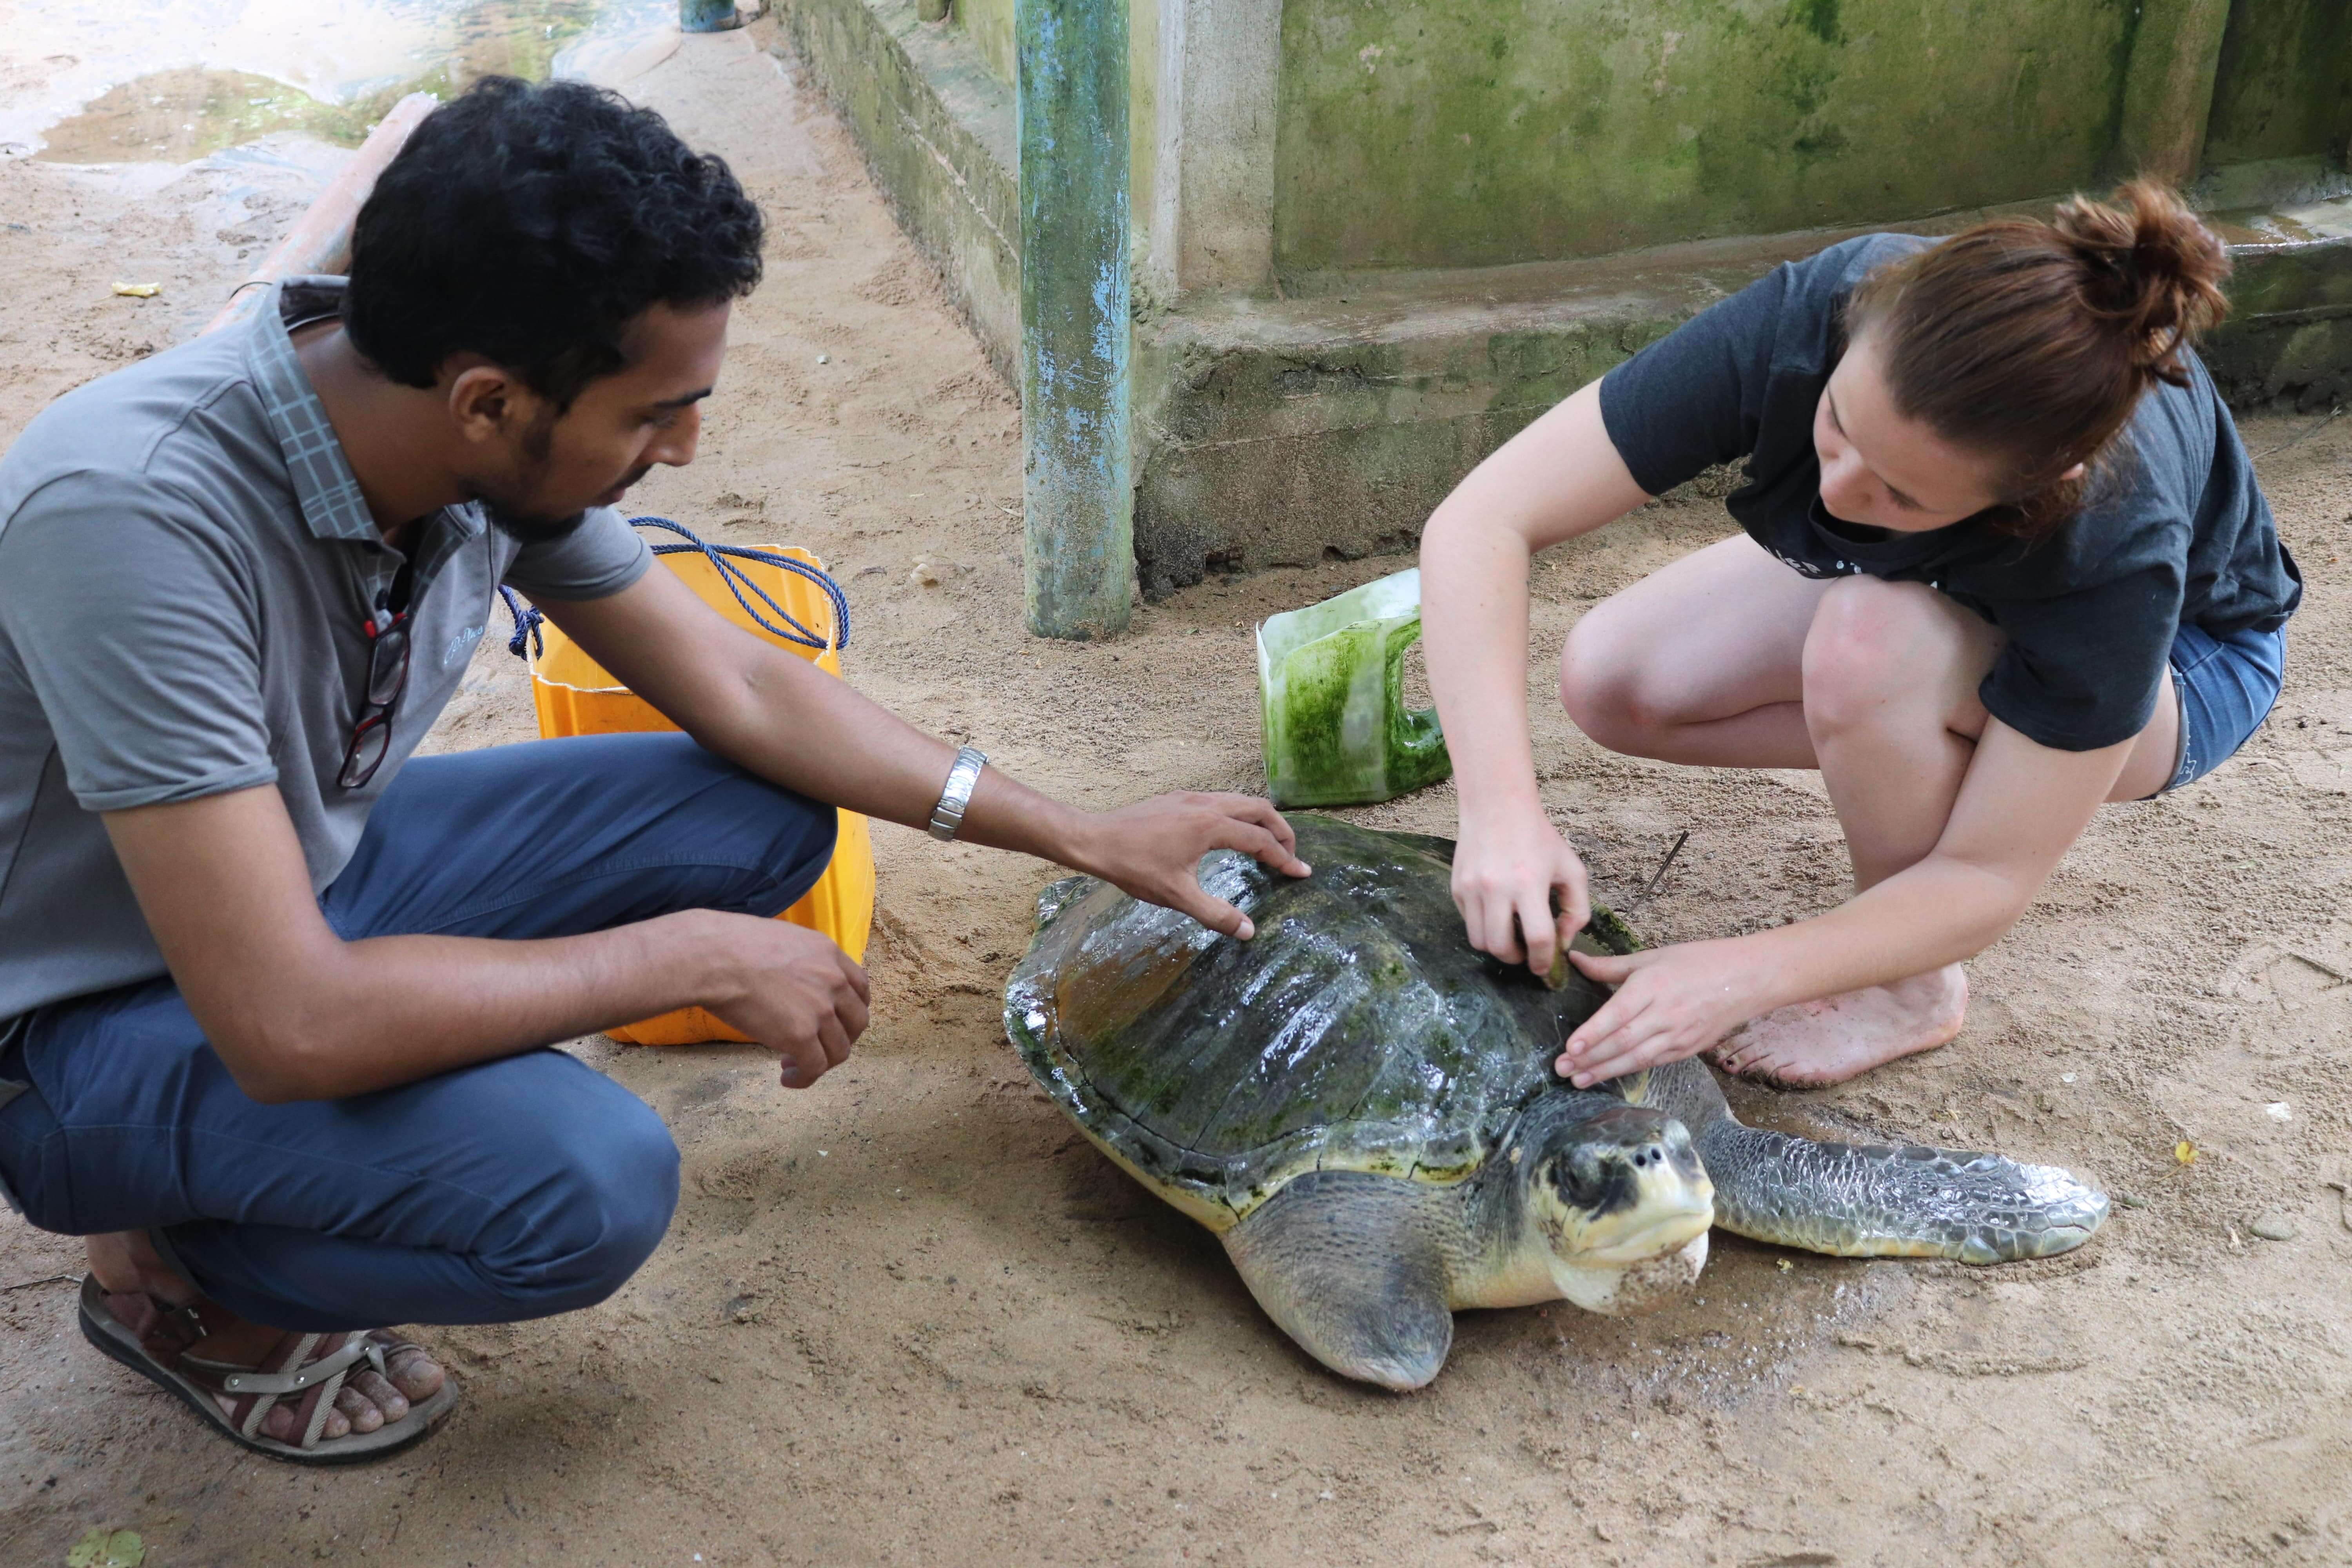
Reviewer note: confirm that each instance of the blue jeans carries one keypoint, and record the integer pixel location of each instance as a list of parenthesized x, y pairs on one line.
[(2226, 687), (513, 1189)]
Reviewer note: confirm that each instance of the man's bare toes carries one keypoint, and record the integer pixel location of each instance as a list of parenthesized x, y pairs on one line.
[(415, 1373), (280, 1423), (379, 1393), (358, 1409)]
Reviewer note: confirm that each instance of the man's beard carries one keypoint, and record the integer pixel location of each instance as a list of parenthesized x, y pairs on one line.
[(526, 529), (513, 517)]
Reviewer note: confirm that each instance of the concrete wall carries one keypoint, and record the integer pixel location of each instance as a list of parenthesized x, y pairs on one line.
[(1457, 133), (1373, 238), (1445, 134), (2284, 86), (938, 130), (989, 25)]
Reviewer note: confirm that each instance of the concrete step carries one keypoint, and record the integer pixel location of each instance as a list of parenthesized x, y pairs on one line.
[(2289, 336), (1273, 432)]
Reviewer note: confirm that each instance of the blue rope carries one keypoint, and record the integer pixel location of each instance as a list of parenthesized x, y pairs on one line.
[(736, 580), (722, 558), (526, 620)]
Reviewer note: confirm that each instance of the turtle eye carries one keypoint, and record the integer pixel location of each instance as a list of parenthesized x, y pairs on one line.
[(1588, 1179)]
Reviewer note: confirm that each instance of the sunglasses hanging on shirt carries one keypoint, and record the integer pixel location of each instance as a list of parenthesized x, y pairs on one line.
[(388, 629)]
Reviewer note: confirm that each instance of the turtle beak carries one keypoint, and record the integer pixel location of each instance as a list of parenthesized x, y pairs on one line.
[(1672, 1210)]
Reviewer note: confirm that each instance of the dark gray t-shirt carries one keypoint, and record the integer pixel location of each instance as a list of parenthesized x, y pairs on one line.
[(2176, 534), (186, 566)]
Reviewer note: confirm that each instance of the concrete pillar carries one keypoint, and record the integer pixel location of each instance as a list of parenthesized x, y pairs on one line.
[(1213, 198), (1078, 498), (2169, 89)]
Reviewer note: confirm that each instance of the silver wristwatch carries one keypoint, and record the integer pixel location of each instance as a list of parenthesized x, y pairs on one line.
[(948, 815)]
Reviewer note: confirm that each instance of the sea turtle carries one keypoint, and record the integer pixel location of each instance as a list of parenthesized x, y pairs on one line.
[(1362, 1107)]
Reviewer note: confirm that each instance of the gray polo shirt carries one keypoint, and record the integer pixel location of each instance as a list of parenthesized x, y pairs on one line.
[(186, 569)]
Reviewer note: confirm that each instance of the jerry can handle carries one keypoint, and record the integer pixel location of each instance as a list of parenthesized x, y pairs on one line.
[(1413, 730)]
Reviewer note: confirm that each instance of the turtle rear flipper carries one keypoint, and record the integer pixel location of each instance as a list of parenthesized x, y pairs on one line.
[(1867, 1201), (1350, 1265)]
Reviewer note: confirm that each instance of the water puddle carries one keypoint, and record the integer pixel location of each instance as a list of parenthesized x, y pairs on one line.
[(2312, 223), (86, 82)]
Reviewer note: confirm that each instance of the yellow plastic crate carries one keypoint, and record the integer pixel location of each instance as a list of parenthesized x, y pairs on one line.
[(574, 695)]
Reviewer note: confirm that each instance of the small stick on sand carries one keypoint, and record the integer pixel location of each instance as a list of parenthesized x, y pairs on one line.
[(1659, 875)]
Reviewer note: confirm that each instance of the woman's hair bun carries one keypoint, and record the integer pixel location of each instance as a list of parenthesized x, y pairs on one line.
[(2032, 341), (2149, 268)]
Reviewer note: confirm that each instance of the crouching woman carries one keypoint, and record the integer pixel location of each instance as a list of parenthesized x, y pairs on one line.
[(2002, 558)]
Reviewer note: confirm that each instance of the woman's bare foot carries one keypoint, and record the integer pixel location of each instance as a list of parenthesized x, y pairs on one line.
[(1829, 1041), (126, 1263)]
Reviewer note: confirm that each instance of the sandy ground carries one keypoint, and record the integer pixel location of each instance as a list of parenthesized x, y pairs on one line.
[(911, 1318)]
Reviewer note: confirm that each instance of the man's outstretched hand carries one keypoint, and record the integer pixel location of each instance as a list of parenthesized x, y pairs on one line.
[(1151, 850)]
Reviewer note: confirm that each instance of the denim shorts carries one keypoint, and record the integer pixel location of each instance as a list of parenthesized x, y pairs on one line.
[(2227, 687)]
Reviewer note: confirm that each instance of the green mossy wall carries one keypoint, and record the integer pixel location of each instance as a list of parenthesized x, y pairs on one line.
[(2284, 87), (1460, 132)]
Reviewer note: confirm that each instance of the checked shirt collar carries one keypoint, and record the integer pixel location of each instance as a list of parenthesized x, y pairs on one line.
[(323, 483)]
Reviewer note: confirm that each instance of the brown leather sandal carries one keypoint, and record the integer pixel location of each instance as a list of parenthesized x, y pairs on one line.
[(167, 1344)]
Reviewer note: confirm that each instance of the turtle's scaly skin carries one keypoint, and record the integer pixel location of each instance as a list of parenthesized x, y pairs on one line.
[(1338, 1038), (1867, 1200), (1870, 1201)]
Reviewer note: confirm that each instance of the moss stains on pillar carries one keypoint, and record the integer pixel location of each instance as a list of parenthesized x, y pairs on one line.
[(1077, 495)]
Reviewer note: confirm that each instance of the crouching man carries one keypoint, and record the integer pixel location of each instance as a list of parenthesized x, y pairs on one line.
[(274, 999)]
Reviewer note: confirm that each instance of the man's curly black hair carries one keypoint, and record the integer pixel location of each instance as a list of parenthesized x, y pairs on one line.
[(529, 223)]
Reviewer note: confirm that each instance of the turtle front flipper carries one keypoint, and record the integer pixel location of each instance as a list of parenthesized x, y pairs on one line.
[(1867, 1201), (1352, 1266)]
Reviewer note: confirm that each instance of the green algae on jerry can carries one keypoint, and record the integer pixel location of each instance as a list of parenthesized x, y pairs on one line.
[(1335, 730)]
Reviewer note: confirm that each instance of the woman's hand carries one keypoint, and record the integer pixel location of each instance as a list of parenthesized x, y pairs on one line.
[(1504, 874), (1671, 1003), (1558, 477), (1151, 850)]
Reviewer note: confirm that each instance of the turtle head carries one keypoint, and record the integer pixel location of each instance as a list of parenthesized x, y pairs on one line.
[(1624, 1206)]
